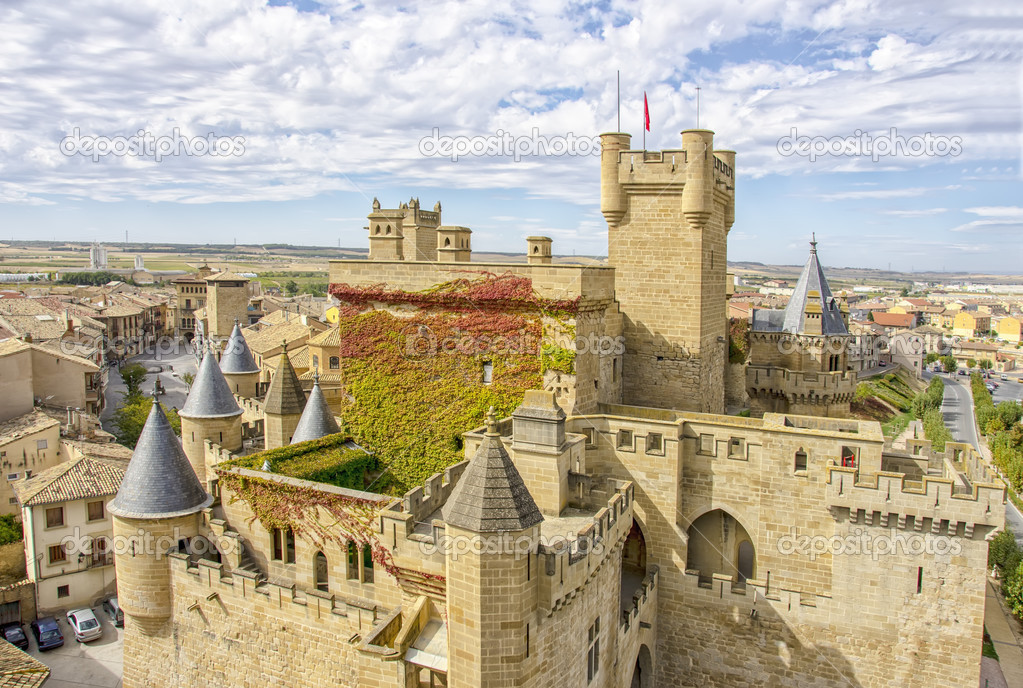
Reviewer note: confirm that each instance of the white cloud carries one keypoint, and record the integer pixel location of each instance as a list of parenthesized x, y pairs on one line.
[(885, 193)]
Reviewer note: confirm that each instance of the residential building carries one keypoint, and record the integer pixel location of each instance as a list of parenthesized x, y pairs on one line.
[(969, 324), (69, 554)]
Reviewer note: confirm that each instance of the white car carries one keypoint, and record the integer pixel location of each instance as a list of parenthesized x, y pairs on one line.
[(85, 625)]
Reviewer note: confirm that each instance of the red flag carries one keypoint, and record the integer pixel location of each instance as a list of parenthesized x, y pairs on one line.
[(646, 112)]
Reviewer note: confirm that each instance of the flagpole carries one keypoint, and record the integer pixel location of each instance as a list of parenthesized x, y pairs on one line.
[(619, 129), (697, 107)]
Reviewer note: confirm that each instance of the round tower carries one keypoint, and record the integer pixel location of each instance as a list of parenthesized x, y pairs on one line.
[(492, 520), (238, 365), (284, 403), (156, 507), (210, 413)]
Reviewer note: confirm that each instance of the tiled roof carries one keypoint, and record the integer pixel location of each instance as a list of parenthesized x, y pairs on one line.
[(80, 478), (19, 669), (25, 425), (491, 496), (159, 482), (328, 339), (299, 357), (267, 339), (226, 277), (894, 319)]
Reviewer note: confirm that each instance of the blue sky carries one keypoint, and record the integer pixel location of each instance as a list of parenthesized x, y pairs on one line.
[(326, 105)]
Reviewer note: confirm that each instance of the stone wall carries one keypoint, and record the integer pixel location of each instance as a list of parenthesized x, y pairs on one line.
[(735, 385)]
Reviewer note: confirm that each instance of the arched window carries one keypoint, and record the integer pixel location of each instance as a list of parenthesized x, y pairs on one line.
[(800, 460), (321, 572), (335, 362), (447, 241)]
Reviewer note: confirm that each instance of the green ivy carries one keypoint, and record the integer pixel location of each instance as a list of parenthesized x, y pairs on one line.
[(326, 460)]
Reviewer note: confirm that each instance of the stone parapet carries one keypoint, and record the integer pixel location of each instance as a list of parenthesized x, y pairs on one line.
[(566, 567)]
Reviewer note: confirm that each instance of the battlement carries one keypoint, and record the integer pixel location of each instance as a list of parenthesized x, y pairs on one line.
[(644, 600), (210, 589), (723, 592), (667, 168), (567, 565), (592, 285), (931, 502)]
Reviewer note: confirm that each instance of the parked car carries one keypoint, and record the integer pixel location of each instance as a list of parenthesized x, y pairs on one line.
[(47, 633), (14, 634), (962, 371), (990, 387), (1004, 377), (113, 610), (85, 625)]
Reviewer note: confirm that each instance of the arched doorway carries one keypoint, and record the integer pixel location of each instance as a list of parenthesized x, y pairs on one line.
[(745, 559), (719, 544), (633, 566), (321, 574), (643, 672)]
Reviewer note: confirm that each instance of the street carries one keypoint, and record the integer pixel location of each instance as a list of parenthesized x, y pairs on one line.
[(170, 361), (957, 410)]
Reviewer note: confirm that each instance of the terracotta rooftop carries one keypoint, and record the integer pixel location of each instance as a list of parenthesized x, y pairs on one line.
[(81, 478), (25, 425), (894, 319), (19, 669)]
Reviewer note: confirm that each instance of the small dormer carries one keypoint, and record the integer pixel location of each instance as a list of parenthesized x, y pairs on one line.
[(454, 244), (538, 250)]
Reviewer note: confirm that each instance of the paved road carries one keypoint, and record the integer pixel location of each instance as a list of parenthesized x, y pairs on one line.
[(97, 664), (957, 409)]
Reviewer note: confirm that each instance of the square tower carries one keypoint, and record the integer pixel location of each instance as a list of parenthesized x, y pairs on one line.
[(668, 215)]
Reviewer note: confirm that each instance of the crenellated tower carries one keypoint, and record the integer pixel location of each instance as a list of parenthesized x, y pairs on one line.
[(668, 215)]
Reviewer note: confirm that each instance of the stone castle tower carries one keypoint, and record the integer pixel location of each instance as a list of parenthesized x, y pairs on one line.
[(158, 505), (490, 642), (668, 214), (227, 300), (209, 413), (799, 356)]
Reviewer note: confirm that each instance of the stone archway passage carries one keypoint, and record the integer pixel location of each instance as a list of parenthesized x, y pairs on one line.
[(715, 544), (643, 672)]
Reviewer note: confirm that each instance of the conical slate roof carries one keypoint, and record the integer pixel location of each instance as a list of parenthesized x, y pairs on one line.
[(210, 396), (285, 396), (159, 482), (490, 496), (812, 280), (317, 420), (237, 358)]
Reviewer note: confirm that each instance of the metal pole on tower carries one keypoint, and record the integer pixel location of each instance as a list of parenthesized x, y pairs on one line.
[(619, 101), (697, 107)]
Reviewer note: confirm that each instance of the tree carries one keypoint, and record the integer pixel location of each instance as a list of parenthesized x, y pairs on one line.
[(870, 316), (131, 417), (188, 379), (931, 358), (985, 364), (971, 363), (291, 287), (949, 363), (133, 376)]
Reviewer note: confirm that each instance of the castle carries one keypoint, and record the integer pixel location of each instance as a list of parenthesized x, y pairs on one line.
[(612, 528)]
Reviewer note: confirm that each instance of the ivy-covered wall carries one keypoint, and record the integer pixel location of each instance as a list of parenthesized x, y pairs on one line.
[(420, 368)]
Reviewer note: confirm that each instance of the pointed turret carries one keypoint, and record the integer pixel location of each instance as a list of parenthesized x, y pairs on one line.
[(492, 587), (238, 365), (156, 508), (210, 413), (159, 482), (317, 419), (284, 403), (491, 495), (812, 309)]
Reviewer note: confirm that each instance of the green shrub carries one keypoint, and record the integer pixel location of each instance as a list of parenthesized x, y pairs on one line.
[(10, 529)]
